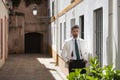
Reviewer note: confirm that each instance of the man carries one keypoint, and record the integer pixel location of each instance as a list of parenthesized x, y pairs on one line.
[(74, 50)]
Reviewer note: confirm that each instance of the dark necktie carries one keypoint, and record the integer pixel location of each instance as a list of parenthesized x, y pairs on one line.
[(77, 50)]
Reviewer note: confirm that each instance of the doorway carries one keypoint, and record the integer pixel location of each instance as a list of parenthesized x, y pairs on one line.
[(33, 42)]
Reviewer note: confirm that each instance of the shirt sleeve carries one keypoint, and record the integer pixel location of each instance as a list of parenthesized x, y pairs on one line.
[(64, 54)]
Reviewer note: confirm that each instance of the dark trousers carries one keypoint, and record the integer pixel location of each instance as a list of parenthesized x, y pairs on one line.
[(76, 64)]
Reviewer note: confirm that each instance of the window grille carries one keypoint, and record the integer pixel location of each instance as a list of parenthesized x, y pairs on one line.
[(98, 14), (81, 25), (64, 30), (60, 35)]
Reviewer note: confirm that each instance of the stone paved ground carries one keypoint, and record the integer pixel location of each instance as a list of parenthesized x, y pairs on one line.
[(30, 67)]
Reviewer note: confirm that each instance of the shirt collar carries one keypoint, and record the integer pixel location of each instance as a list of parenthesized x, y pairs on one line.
[(75, 38)]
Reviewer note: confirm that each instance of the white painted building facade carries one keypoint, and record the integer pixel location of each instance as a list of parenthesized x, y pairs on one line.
[(99, 22)]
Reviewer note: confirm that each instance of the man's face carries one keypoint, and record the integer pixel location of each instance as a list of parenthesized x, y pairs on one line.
[(75, 32)]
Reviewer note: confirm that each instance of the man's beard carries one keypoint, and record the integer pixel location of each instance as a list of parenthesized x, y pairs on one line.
[(75, 36)]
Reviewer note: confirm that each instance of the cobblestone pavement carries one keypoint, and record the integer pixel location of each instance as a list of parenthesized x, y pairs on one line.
[(30, 67)]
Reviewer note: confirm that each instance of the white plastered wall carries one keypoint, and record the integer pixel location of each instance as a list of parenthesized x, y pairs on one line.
[(3, 14), (111, 34)]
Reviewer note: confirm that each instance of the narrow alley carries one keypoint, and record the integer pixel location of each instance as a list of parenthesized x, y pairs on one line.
[(33, 35), (30, 67)]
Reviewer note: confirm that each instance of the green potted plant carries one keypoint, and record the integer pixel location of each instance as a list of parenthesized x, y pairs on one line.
[(95, 72)]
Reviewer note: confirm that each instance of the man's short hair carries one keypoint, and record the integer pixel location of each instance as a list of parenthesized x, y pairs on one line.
[(75, 27)]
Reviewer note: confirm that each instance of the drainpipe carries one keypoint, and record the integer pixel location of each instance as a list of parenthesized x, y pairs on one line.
[(117, 33), (112, 55)]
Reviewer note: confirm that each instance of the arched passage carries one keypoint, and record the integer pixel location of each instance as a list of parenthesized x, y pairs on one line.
[(33, 42)]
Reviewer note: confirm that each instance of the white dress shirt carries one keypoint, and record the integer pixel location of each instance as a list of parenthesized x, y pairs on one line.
[(68, 51)]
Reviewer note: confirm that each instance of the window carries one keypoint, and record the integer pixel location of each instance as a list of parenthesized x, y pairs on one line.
[(98, 22), (72, 22), (64, 30), (1, 36), (5, 27), (60, 35), (81, 24), (53, 8)]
